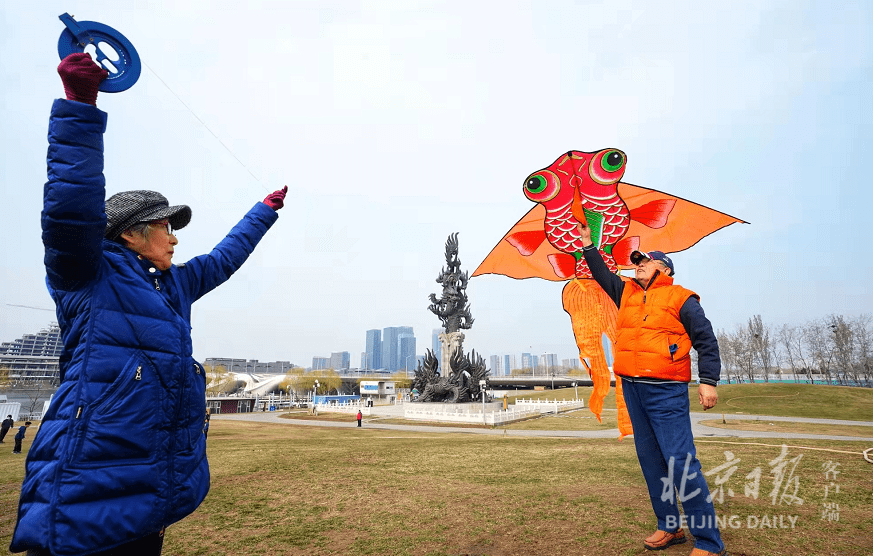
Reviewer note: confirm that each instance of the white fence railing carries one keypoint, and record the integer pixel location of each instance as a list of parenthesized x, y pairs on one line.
[(347, 407), (550, 406), (468, 415)]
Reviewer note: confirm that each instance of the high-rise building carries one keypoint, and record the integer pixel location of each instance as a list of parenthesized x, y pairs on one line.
[(526, 361), (340, 361), (535, 364), (549, 362), (508, 364), (320, 363), (406, 359), (374, 350), (392, 359), (437, 346), (496, 365), (389, 348)]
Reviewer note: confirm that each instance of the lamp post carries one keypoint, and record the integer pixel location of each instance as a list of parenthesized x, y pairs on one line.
[(577, 390), (482, 385), (314, 390)]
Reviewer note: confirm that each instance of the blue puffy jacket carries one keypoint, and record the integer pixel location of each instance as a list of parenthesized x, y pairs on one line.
[(120, 453)]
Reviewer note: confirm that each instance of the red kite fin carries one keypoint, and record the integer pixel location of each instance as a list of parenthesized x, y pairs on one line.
[(527, 242), (564, 264), (653, 214), (623, 248)]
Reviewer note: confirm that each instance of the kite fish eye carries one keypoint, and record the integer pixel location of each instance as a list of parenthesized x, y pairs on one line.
[(542, 186), (608, 166)]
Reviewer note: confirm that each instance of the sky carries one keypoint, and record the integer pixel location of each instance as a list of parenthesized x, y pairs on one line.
[(397, 123)]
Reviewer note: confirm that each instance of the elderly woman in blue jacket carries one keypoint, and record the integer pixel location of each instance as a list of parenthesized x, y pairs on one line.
[(121, 453)]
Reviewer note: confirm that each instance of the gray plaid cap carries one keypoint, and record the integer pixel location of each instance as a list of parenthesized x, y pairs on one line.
[(127, 208)]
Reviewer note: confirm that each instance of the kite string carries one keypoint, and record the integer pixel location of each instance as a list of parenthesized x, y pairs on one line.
[(217, 138)]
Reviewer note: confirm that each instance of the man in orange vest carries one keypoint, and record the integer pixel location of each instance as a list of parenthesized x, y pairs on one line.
[(658, 324)]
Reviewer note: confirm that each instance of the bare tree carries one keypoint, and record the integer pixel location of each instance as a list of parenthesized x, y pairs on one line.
[(844, 349), (864, 357), (760, 345), (745, 354), (791, 339), (295, 382), (221, 381), (819, 342), (728, 356)]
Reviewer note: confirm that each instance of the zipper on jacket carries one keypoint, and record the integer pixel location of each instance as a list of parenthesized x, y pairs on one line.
[(197, 368), (138, 374), (79, 412), (157, 285)]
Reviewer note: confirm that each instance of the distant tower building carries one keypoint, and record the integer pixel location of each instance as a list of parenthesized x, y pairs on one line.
[(495, 365), (550, 362), (389, 348), (340, 361), (534, 363), (373, 359), (436, 346), (363, 361), (508, 364), (406, 360), (320, 363), (392, 359), (526, 361)]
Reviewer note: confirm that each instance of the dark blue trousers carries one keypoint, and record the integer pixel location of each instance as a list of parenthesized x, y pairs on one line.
[(668, 458)]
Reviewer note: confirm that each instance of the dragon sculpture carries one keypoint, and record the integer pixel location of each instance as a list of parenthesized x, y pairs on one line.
[(462, 383), (452, 308)]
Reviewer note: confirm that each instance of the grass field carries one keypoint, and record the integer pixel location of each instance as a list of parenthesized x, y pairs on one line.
[(285, 489), (781, 400)]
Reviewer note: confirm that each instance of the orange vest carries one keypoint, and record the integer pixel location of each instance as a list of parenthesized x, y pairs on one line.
[(650, 339)]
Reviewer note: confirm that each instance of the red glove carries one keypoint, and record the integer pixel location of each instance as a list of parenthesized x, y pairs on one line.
[(81, 77), (276, 199)]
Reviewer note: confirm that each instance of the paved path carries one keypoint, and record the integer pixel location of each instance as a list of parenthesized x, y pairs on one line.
[(700, 431)]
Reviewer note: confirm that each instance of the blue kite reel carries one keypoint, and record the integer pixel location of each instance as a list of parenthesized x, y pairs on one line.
[(112, 49)]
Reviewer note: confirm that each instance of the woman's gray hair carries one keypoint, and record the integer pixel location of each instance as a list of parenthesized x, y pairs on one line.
[(140, 228)]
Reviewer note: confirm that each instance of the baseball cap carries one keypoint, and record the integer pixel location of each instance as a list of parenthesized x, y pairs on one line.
[(655, 256)]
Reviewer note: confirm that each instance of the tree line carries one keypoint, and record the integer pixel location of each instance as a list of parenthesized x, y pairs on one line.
[(834, 349)]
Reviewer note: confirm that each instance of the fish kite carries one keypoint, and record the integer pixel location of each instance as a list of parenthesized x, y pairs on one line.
[(546, 243)]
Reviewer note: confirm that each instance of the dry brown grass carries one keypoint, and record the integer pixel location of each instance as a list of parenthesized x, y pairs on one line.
[(790, 427), (301, 490)]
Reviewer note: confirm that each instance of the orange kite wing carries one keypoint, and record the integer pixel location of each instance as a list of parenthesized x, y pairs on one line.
[(507, 259), (686, 224), (681, 224)]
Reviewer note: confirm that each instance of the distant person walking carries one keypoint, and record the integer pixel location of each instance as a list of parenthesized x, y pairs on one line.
[(658, 323), (206, 425), (360, 416), (19, 437), (8, 423)]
